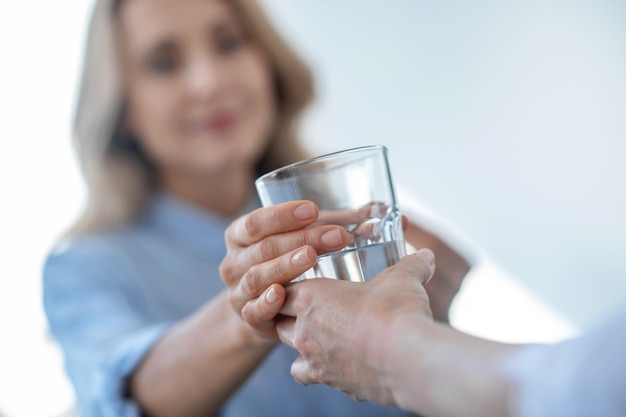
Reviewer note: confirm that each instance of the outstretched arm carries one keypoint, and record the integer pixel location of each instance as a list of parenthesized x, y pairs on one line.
[(377, 341), (201, 361)]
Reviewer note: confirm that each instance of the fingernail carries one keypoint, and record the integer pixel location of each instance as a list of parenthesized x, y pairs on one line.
[(304, 211), (427, 255), (301, 258), (298, 367), (272, 296), (332, 238)]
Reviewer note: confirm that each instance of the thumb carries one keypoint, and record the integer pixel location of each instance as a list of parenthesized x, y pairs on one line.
[(420, 265), (300, 371)]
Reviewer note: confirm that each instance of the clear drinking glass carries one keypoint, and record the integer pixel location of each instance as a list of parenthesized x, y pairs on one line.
[(352, 188)]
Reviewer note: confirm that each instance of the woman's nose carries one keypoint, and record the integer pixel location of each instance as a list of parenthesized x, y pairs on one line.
[(204, 78)]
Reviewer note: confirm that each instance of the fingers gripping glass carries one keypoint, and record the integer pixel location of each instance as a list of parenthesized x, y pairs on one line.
[(352, 188)]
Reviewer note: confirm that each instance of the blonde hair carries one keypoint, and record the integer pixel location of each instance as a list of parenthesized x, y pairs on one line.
[(120, 181)]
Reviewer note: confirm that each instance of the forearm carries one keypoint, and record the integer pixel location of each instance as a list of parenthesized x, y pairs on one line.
[(196, 366), (444, 372)]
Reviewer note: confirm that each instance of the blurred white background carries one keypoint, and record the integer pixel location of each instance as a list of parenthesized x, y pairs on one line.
[(506, 119)]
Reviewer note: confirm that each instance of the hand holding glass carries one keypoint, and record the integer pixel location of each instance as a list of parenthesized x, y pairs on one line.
[(352, 188)]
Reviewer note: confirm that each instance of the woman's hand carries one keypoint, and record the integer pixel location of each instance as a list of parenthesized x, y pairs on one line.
[(267, 249), (451, 268)]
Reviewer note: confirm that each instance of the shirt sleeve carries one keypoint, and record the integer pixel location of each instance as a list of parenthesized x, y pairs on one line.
[(585, 376), (92, 312)]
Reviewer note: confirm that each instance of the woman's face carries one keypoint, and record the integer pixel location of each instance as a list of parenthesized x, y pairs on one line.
[(199, 91)]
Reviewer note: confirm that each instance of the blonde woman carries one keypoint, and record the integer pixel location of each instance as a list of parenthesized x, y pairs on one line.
[(182, 104)]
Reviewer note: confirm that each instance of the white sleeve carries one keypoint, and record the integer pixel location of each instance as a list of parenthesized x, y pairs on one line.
[(585, 376)]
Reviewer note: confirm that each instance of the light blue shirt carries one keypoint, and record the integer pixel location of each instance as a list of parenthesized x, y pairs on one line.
[(109, 297)]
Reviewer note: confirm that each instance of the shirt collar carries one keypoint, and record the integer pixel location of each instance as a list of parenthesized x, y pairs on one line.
[(197, 229)]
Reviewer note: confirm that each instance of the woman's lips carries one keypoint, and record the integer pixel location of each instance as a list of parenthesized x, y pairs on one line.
[(219, 123)]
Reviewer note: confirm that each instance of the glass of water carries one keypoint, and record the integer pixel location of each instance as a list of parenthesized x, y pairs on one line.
[(352, 188)]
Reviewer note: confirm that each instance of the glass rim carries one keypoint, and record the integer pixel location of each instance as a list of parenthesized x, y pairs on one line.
[(319, 158)]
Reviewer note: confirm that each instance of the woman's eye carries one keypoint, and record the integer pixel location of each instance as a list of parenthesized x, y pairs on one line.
[(230, 44), (163, 65)]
